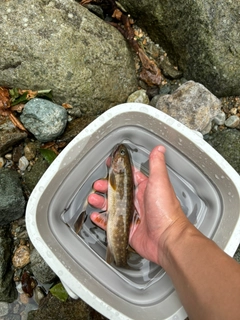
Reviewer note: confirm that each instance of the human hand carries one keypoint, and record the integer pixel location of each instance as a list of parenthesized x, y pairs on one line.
[(157, 206)]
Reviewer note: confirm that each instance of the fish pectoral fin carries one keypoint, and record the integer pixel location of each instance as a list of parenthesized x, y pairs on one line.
[(109, 256), (100, 219)]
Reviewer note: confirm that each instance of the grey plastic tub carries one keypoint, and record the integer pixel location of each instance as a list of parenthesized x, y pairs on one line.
[(206, 185)]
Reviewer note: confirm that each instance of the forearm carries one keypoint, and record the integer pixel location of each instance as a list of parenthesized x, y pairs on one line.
[(206, 279)]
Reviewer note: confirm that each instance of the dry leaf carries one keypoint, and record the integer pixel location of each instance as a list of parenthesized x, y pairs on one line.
[(4, 98), (67, 106), (117, 14), (30, 94)]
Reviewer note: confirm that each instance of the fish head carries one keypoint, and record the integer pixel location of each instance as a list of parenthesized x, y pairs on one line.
[(120, 158)]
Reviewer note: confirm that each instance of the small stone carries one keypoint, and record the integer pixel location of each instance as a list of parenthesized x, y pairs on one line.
[(17, 153), (139, 96), (232, 122), (38, 294), (8, 156), (154, 100), (23, 163), (44, 119), (220, 118), (21, 257), (30, 151), (2, 162), (234, 111)]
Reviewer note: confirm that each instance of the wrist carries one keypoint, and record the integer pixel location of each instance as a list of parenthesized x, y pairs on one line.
[(173, 237)]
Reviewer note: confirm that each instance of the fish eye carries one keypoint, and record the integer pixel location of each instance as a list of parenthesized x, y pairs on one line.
[(122, 152)]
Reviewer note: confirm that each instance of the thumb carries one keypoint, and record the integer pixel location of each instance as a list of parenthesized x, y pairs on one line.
[(157, 164)]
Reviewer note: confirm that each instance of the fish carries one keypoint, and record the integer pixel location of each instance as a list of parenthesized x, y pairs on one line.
[(120, 206)]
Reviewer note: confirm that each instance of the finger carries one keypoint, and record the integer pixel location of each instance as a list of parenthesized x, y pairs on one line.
[(99, 219), (157, 164), (158, 168), (97, 201), (101, 185), (138, 176)]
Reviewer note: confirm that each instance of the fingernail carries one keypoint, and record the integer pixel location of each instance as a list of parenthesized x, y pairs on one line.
[(161, 149)]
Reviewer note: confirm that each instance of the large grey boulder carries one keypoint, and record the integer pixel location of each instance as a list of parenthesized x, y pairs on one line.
[(227, 143), (60, 45), (202, 37)]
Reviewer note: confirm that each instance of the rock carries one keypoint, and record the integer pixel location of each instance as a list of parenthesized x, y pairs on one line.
[(52, 308), (12, 204), (191, 104), (30, 151), (23, 163), (32, 177), (75, 127), (232, 122), (21, 257), (10, 135), (2, 162), (220, 118), (17, 153), (168, 69), (139, 96), (8, 292), (193, 33), (43, 118), (60, 45), (41, 271), (227, 143)]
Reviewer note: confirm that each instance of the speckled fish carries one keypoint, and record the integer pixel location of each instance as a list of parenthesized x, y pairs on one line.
[(120, 206)]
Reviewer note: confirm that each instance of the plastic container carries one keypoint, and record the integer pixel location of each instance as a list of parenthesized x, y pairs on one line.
[(206, 185)]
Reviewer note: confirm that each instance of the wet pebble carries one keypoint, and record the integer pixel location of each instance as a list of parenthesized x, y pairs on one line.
[(232, 122), (44, 119), (8, 156), (23, 163), (220, 118), (139, 96), (30, 151), (21, 257), (17, 153)]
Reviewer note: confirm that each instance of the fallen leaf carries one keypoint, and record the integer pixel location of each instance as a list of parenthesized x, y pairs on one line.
[(59, 292), (117, 14), (67, 106), (16, 122), (150, 73), (30, 94), (48, 155)]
